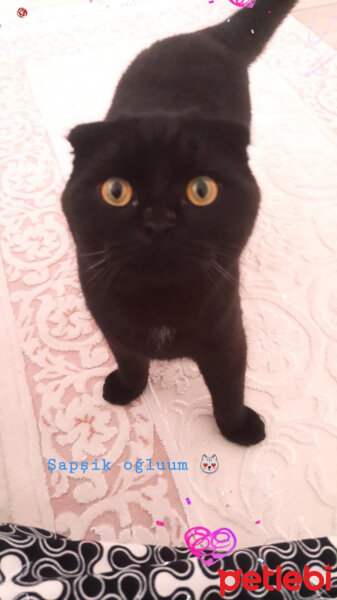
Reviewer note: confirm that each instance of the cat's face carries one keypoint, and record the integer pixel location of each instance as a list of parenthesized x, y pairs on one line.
[(209, 464), (158, 156)]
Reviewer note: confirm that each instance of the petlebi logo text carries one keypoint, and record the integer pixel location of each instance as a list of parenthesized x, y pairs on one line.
[(291, 580)]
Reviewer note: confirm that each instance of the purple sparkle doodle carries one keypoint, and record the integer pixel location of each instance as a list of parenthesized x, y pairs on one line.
[(222, 542)]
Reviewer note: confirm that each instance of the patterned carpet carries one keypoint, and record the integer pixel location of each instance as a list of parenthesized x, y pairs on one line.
[(59, 68), (45, 565)]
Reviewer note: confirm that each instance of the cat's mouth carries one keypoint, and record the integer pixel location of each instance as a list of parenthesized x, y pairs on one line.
[(170, 254), (165, 261), (171, 261)]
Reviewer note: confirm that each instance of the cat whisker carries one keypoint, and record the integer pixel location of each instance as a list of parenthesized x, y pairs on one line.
[(111, 246), (215, 248), (108, 265), (208, 273), (106, 260), (100, 271), (96, 264), (212, 253), (110, 280), (226, 254), (92, 253), (242, 287), (215, 265)]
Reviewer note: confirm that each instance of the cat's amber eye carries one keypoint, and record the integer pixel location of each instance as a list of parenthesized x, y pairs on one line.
[(116, 192), (202, 191)]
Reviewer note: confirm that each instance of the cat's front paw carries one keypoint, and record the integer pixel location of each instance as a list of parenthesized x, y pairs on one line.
[(251, 430), (116, 392)]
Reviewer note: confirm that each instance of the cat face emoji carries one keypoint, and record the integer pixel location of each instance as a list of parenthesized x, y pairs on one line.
[(209, 464)]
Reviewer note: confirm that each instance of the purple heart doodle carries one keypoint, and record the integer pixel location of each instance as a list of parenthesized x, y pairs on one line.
[(243, 3), (222, 542)]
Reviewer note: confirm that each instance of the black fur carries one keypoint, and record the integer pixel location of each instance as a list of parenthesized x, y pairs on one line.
[(181, 110)]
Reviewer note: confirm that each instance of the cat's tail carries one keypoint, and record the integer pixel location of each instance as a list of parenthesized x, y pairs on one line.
[(249, 29)]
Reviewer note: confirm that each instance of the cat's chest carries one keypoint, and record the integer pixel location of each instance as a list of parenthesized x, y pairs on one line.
[(160, 337)]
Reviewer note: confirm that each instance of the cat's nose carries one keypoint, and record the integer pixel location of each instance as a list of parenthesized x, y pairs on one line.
[(160, 222)]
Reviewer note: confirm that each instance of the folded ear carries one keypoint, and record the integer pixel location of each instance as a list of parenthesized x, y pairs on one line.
[(84, 138)]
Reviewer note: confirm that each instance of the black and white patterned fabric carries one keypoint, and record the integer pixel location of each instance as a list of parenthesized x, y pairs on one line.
[(39, 565)]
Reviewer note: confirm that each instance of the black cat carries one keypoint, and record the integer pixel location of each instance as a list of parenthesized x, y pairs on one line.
[(161, 203)]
